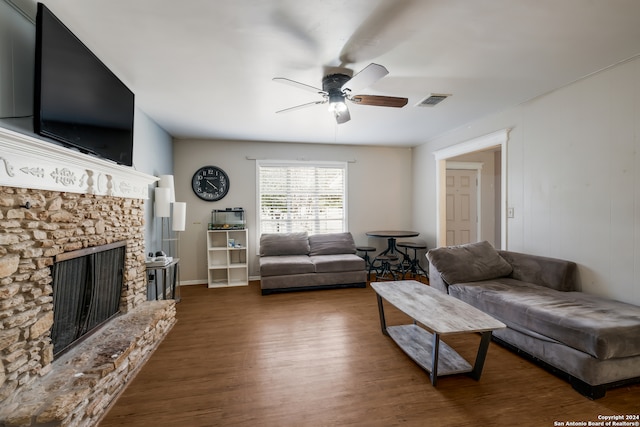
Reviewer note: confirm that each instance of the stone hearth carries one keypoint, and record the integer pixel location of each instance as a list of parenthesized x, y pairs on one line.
[(87, 379), (54, 200)]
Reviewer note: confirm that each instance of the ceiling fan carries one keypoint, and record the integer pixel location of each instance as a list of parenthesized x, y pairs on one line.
[(338, 88)]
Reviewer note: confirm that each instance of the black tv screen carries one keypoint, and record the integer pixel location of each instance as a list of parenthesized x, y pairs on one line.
[(78, 100)]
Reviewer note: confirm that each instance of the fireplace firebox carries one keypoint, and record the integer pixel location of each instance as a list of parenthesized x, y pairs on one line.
[(87, 285)]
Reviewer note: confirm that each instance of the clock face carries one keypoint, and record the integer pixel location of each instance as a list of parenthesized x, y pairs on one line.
[(210, 183)]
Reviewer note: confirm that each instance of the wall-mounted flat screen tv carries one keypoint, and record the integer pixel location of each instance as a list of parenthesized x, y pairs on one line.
[(78, 100)]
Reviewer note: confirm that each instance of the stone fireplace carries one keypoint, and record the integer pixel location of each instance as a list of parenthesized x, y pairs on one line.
[(54, 201)]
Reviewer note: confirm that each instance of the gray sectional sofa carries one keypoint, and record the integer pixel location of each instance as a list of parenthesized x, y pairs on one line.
[(591, 341), (297, 261)]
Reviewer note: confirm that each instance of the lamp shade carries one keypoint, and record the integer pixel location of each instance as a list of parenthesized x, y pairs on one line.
[(166, 181), (179, 216), (162, 204)]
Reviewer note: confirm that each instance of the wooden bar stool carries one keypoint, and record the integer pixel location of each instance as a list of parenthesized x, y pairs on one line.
[(413, 263), (366, 250), (390, 268)]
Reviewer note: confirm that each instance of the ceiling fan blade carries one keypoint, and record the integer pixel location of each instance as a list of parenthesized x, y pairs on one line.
[(388, 25), (342, 116), (299, 107), (366, 77), (299, 85), (380, 101)]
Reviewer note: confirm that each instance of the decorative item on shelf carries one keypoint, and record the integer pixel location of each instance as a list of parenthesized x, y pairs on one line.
[(227, 219)]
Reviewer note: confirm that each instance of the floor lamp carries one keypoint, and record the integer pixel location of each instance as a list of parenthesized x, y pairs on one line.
[(168, 197), (179, 222), (162, 208), (178, 225)]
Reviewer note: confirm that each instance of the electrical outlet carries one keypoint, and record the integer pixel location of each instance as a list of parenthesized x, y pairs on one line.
[(510, 213)]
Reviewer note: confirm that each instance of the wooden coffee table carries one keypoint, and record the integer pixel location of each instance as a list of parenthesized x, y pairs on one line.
[(435, 314)]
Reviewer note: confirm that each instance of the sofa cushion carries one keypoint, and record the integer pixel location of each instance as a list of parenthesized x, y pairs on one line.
[(285, 265), (598, 326), (550, 272), (337, 263), (275, 244), (331, 244), (469, 263)]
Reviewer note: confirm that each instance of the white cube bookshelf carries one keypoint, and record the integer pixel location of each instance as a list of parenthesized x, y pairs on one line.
[(227, 258)]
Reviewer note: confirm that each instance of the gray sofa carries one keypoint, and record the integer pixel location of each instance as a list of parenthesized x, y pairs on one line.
[(591, 341), (297, 261)]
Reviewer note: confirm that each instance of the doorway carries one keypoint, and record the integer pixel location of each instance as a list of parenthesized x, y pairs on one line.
[(495, 142)]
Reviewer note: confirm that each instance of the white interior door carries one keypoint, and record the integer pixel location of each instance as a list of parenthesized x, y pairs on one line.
[(462, 206)]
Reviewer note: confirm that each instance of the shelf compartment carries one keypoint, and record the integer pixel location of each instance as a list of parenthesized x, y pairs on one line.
[(238, 276), (237, 257), (218, 277), (217, 240), (218, 259)]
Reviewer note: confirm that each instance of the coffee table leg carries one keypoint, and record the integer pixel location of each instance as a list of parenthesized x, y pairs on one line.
[(481, 356), (434, 356), (383, 322)]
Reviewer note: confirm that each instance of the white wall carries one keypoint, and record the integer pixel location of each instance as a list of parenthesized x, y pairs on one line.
[(17, 52), (573, 178), (379, 190), (152, 154)]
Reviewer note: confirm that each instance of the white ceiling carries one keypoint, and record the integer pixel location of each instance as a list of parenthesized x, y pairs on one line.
[(203, 68)]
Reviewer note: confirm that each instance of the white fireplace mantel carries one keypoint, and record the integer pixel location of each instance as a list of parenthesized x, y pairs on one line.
[(28, 162)]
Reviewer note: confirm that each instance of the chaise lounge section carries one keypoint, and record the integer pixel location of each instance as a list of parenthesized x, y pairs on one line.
[(593, 342), (297, 261)]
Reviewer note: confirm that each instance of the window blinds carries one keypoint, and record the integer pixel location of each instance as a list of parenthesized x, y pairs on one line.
[(302, 197)]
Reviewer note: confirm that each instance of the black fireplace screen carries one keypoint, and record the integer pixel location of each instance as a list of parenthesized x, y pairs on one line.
[(86, 292)]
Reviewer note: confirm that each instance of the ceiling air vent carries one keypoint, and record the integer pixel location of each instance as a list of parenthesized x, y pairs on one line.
[(433, 100)]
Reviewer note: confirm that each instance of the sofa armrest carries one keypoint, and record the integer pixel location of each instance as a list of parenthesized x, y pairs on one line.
[(436, 281), (553, 273)]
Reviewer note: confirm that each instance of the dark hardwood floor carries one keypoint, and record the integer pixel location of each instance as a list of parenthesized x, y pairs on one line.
[(318, 358)]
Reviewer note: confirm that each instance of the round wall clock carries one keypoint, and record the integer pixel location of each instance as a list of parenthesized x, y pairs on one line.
[(210, 183)]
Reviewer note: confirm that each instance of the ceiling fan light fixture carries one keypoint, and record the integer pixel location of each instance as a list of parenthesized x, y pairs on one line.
[(337, 102), (335, 96), (338, 107)]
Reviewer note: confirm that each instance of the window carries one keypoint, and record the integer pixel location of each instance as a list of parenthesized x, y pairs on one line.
[(302, 196)]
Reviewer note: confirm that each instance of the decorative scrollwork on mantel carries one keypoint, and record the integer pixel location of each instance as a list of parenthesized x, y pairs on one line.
[(7, 166), (109, 185), (37, 172), (51, 167), (125, 188), (90, 182), (63, 176)]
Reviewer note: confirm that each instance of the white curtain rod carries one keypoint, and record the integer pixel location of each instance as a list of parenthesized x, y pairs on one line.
[(300, 159)]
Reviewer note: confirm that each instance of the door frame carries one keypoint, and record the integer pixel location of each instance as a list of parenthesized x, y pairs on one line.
[(477, 166), (496, 139)]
